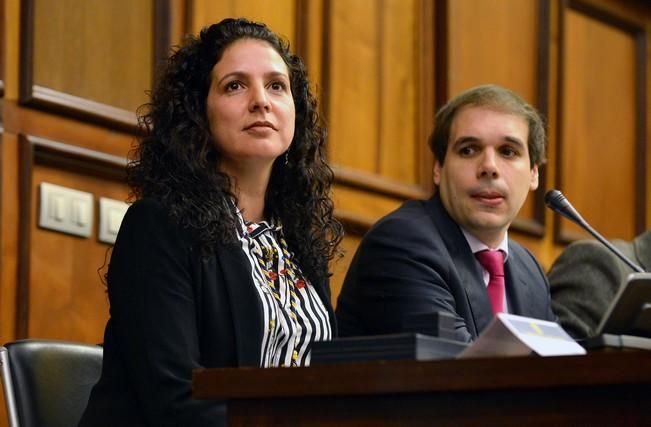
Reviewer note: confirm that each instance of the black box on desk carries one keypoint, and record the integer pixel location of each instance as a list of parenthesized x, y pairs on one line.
[(403, 346)]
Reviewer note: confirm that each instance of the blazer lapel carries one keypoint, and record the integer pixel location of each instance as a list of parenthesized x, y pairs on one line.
[(518, 290), (245, 303), (466, 267)]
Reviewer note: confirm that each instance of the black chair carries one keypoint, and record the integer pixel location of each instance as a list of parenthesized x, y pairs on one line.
[(47, 382)]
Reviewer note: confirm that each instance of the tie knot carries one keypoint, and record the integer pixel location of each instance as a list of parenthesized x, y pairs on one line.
[(492, 261)]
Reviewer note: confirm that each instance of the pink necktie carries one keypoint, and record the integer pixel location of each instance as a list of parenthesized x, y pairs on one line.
[(493, 262)]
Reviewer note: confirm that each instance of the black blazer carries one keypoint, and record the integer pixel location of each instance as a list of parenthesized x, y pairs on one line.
[(172, 311), (417, 260)]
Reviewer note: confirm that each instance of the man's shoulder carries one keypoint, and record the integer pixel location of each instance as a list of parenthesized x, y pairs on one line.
[(412, 213)]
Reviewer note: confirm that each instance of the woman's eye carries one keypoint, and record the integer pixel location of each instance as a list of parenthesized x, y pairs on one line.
[(277, 86), (234, 85)]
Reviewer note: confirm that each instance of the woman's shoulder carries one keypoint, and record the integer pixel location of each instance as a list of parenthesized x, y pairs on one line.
[(149, 216), (147, 206)]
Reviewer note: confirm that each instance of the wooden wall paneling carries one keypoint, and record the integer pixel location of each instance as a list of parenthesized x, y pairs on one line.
[(504, 43), (279, 16), (59, 293), (398, 146), (8, 235), (92, 60), (601, 122), (353, 84), (8, 245), (372, 80), (164, 30), (373, 84), (310, 35)]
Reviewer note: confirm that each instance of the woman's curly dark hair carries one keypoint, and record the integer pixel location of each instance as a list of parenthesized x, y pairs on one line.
[(176, 160)]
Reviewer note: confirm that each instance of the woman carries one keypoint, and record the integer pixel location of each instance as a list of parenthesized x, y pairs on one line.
[(223, 259)]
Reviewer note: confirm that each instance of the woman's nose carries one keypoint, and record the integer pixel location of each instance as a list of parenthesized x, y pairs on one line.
[(259, 99)]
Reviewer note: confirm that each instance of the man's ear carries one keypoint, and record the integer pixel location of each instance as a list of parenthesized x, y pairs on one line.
[(534, 178), (437, 173)]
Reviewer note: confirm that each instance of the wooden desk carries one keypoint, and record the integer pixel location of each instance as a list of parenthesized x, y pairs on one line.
[(600, 389)]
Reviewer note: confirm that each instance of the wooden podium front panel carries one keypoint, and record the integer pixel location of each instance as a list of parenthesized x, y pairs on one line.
[(598, 389), (601, 406)]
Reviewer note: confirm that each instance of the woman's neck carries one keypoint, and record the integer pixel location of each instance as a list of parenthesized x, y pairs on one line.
[(249, 185)]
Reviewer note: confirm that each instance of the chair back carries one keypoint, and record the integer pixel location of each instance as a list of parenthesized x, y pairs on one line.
[(48, 382)]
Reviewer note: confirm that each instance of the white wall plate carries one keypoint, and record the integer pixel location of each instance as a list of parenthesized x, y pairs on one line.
[(66, 210)]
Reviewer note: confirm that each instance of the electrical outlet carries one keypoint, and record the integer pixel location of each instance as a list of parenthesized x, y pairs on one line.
[(111, 213), (66, 210)]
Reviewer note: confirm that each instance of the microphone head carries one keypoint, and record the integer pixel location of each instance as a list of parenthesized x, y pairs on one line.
[(556, 201)]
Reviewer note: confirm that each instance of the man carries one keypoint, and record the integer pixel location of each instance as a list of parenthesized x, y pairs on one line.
[(585, 278), (421, 258)]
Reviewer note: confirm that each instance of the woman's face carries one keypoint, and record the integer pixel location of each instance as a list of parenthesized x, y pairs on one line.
[(250, 107)]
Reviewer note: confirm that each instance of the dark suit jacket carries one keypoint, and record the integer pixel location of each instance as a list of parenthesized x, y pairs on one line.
[(585, 278), (172, 311), (416, 260)]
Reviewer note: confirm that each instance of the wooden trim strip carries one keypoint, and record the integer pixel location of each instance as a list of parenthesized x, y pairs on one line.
[(536, 225), (377, 184), (354, 224), (57, 101), (26, 153)]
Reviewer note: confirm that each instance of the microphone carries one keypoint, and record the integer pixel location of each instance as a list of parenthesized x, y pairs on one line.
[(556, 201)]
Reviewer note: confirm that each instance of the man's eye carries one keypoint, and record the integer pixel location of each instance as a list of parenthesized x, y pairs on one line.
[(509, 152), (466, 151)]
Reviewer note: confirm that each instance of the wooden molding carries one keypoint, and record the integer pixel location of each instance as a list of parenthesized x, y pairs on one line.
[(326, 51), (33, 95), (377, 184), (536, 225), (441, 59), (354, 224), (638, 33), (427, 81), (40, 151), (301, 31)]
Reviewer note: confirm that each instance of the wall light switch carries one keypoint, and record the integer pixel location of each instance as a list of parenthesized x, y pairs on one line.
[(111, 213), (66, 210)]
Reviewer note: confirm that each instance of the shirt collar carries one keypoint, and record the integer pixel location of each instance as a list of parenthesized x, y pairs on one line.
[(254, 229), (477, 245)]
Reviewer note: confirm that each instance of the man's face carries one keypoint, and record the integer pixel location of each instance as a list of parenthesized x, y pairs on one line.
[(486, 175)]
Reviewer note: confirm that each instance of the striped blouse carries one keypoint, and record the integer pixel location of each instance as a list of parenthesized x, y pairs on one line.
[(294, 315)]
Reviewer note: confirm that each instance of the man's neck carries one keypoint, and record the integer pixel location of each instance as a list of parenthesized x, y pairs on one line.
[(477, 244)]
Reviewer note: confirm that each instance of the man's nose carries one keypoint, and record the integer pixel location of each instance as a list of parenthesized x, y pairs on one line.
[(488, 165)]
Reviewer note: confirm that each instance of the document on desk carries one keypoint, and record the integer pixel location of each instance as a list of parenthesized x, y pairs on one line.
[(511, 335)]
